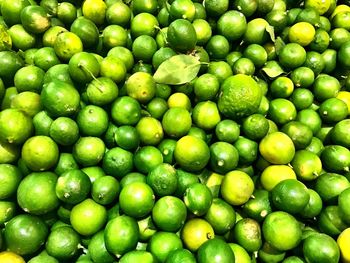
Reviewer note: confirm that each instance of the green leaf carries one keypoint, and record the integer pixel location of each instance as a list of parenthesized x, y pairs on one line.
[(279, 44), (270, 30), (177, 70), (272, 69)]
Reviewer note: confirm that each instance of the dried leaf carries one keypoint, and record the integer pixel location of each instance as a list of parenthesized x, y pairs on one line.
[(177, 70)]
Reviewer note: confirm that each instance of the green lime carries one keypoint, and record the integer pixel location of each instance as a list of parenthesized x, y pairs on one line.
[(117, 162), (215, 250), (277, 148), (243, 66), (258, 207), (162, 244), (198, 198), (281, 230), (256, 31), (169, 213), (302, 77), (63, 243), (150, 130), (65, 163), (273, 174), (302, 98), (182, 9), (191, 153), (35, 19), (67, 44), (88, 217), (89, 151), (206, 87), (16, 127), (330, 221), (325, 87), (206, 115), (292, 56), (247, 150), (92, 120), (10, 62), (221, 216), (105, 189), (28, 102), (60, 98), (241, 255), (184, 179), (167, 147), (240, 96), (118, 14), (181, 35), (25, 234), (121, 235), (256, 53), (21, 39), (11, 11), (141, 86), (282, 111), (9, 153), (290, 196), (300, 134), (218, 47), (336, 158), (180, 255), (97, 249), (330, 185), (247, 233), (315, 252), (73, 186), (227, 131), (144, 24), (223, 157), (333, 110), (58, 72), (136, 199), (137, 256), (10, 178), (40, 153), (237, 180), (176, 122), (40, 199), (162, 179), (29, 78), (64, 131), (203, 31), (147, 158), (66, 13)]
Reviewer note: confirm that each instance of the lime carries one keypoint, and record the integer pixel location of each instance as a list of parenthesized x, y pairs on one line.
[(66, 13), (218, 47), (227, 131), (302, 33), (40, 153), (88, 151), (310, 118), (181, 35), (273, 174), (121, 235), (161, 55), (180, 100), (169, 213), (88, 217), (10, 178), (65, 163), (302, 98), (117, 162), (73, 186), (21, 39), (136, 199), (223, 157), (206, 115), (258, 207), (220, 69), (162, 244), (240, 96), (327, 252), (147, 158), (300, 134), (141, 86), (15, 125), (203, 31), (256, 31), (336, 158), (67, 44), (137, 256), (9, 153), (292, 55), (184, 179), (63, 243), (180, 255), (247, 233), (114, 36), (35, 19), (182, 9), (332, 110), (281, 230), (29, 78), (126, 111), (247, 150), (290, 196), (195, 232), (191, 153), (271, 147), (150, 130), (105, 189), (10, 63), (118, 14), (237, 180), (241, 255), (215, 250), (307, 165), (330, 221), (127, 137), (176, 122), (206, 87), (11, 11), (162, 179), (40, 199), (60, 98), (144, 24), (198, 198), (92, 120), (43, 256), (270, 254), (330, 185), (25, 234)]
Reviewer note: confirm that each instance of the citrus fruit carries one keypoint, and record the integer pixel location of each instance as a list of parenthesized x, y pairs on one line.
[(10, 257), (240, 96), (88, 151), (176, 122), (97, 248), (281, 230), (121, 235), (117, 162), (147, 158), (88, 217), (162, 244), (191, 153), (136, 199), (181, 35), (195, 232), (169, 213), (36, 193), (215, 250), (271, 145), (327, 252)]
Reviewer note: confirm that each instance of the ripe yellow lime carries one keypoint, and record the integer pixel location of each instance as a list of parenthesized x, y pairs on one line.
[(344, 244), (302, 33)]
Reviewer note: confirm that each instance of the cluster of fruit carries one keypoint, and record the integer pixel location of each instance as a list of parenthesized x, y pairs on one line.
[(175, 131)]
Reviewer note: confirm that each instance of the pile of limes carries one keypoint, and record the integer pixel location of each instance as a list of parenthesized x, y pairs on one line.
[(179, 131)]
